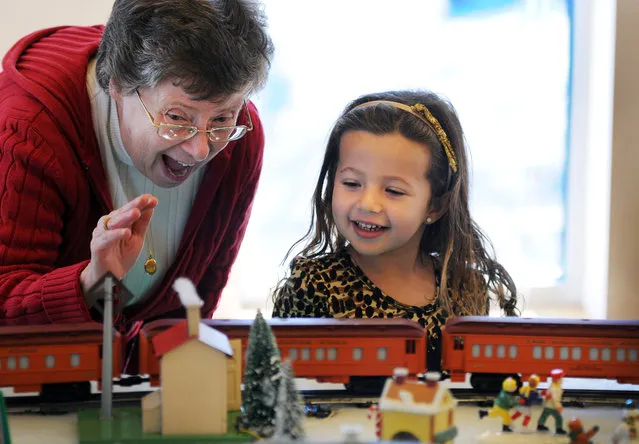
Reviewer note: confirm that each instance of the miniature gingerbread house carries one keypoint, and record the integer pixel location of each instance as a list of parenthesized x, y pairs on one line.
[(193, 374), (414, 410)]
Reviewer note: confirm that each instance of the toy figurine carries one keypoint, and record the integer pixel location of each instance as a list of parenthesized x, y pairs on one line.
[(577, 434), (529, 396), (504, 402), (627, 431), (552, 403)]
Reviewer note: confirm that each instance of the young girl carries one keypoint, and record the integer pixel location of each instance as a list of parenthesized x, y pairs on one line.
[(391, 234)]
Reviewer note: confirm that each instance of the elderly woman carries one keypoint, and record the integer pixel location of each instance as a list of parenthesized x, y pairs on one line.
[(130, 148)]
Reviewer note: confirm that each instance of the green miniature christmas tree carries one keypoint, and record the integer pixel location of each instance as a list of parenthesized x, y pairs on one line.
[(261, 377), (289, 415), (5, 436)]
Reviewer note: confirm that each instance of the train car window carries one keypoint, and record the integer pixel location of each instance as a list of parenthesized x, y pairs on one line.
[(74, 359), (381, 353), (49, 361), (550, 352), (512, 351), (410, 346), (319, 354), (332, 354), (24, 362), (306, 354), (357, 354), (576, 353), (537, 352), (632, 355), (605, 354), (564, 353), (458, 343), (11, 363), (292, 354), (476, 350), (621, 354), (488, 351), (501, 351), (593, 354)]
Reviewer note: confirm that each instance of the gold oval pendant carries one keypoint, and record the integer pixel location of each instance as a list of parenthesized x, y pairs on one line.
[(150, 266)]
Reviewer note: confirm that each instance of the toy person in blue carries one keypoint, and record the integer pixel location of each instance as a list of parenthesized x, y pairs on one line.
[(506, 400), (529, 396)]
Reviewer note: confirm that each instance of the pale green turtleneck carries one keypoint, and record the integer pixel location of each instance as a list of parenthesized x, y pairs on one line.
[(126, 183)]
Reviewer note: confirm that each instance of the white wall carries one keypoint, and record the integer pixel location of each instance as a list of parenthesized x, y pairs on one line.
[(19, 18), (623, 282)]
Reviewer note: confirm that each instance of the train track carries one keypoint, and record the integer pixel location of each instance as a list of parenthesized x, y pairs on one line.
[(571, 398)]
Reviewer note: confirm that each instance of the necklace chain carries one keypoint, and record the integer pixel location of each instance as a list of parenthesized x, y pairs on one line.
[(150, 265)]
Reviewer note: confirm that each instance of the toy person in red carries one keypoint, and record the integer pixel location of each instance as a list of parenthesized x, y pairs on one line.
[(529, 395), (577, 433), (552, 403)]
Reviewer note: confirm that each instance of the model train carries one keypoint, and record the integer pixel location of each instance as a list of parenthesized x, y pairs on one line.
[(350, 351), (50, 359)]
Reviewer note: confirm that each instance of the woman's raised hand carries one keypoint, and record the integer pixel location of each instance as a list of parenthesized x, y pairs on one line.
[(118, 239)]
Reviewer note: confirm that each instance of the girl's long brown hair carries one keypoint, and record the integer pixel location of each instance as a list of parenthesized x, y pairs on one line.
[(470, 273)]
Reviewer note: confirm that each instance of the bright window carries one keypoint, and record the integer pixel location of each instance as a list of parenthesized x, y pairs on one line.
[(505, 67)]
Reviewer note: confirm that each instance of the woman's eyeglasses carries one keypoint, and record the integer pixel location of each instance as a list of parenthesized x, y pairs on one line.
[(174, 131)]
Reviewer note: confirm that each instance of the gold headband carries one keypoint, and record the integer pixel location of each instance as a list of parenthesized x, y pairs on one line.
[(423, 114)]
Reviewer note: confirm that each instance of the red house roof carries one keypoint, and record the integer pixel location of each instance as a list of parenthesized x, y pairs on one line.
[(177, 335)]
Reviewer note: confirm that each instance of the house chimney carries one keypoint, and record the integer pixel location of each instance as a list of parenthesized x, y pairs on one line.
[(192, 303), (193, 320), (400, 374), (432, 378)]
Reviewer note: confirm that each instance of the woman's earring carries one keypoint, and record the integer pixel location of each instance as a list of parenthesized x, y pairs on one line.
[(428, 220)]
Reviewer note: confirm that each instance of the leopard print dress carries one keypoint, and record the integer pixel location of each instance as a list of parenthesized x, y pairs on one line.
[(333, 286)]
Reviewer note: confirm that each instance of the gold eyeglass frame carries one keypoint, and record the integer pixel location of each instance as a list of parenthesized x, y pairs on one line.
[(209, 132)]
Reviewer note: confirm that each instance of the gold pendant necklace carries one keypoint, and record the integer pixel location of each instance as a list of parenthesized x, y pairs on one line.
[(150, 266)]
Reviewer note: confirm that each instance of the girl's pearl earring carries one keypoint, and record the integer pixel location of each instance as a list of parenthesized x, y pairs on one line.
[(428, 220)]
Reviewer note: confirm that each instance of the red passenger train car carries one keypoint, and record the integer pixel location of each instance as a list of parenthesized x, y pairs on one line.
[(490, 348), (34, 358), (350, 351), (358, 352)]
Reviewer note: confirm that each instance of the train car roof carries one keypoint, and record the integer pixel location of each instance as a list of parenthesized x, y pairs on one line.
[(50, 334), (322, 327), (543, 326)]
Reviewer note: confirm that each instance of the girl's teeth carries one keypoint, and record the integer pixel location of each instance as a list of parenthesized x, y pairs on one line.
[(368, 227)]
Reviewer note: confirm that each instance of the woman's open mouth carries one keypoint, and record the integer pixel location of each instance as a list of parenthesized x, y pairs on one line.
[(175, 169)]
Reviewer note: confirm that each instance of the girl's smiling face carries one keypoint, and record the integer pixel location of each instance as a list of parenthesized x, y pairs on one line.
[(168, 163), (381, 194)]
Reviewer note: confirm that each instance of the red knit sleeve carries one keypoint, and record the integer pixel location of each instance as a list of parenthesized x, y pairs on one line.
[(32, 290), (246, 179)]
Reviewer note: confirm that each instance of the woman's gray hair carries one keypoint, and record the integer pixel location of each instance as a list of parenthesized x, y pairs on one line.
[(212, 48)]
